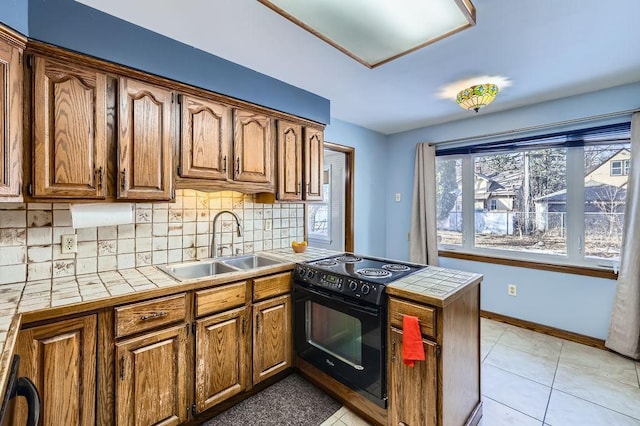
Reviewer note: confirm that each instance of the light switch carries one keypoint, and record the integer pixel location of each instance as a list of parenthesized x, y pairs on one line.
[(398, 197)]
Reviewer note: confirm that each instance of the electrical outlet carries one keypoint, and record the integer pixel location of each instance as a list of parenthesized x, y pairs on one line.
[(512, 290), (69, 243), (398, 197)]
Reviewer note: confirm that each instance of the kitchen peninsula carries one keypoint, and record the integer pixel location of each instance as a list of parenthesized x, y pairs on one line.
[(444, 390)]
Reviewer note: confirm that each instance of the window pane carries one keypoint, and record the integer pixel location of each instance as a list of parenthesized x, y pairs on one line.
[(319, 215), (449, 200), (604, 197), (520, 201)]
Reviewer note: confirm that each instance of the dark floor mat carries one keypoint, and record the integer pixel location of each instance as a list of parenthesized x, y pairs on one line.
[(292, 401)]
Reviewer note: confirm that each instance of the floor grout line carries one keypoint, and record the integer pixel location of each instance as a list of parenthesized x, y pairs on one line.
[(546, 410)]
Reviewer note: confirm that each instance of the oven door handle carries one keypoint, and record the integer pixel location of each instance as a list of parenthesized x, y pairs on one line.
[(332, 298)]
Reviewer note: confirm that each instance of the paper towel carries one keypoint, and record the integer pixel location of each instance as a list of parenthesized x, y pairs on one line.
[(105, 214)]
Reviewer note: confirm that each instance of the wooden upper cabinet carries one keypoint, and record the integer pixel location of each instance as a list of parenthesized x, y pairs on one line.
[(10, 119), (289, 161), (313, 164), (253, 148), (151, 379), (60, 359), (206, 139), (146, 134), (69, 130)]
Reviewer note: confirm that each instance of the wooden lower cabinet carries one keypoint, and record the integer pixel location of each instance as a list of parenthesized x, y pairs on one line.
[(445, 388), (413, 390), (272, 337), (60, 359), (151, 378), (222, 352)]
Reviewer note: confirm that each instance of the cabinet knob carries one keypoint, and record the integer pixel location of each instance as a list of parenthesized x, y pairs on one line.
[(402, 424)]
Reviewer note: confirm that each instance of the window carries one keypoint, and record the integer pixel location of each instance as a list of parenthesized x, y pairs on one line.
[(616, 168), (620, 167), (449, 201), (319, 214), (557, 198)]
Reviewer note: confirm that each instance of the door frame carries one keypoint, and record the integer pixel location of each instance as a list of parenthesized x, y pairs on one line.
[(349, 153)]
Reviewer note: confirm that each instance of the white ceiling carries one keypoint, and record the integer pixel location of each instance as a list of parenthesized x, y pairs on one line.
[(548, 49)]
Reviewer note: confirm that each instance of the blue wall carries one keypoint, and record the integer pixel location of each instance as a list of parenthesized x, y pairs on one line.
[(369, 181), (14, 13), (570, 302), (75, 26)]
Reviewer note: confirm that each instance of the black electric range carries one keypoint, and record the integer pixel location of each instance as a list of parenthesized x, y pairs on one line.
[(353, 276)]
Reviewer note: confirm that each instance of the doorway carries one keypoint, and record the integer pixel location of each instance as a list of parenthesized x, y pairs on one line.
[(329, 224)]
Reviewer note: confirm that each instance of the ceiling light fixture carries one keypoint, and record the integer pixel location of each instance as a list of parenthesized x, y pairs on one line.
[(478, 96), (374, 32)]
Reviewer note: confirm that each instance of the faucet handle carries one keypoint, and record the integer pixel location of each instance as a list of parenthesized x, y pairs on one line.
[(221, 249)]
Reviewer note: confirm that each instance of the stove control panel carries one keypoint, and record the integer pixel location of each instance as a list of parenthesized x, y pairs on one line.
[(347, 286)]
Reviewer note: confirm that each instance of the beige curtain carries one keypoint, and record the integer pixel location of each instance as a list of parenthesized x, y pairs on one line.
[(423, 245), (624, 328)]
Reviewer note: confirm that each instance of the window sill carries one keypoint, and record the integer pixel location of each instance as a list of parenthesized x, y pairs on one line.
[(566, 269)]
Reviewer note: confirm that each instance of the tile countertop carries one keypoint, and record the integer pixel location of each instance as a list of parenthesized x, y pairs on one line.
[(36, 300)]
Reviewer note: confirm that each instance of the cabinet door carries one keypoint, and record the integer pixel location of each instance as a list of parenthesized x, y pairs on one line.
[(271, 337), (205, 139), (60, 359), (313, 160), (222, 367), (10, 120), (412, 390), (151, 378), (253, 148), (69, 131), (147, 131), (289, 161)]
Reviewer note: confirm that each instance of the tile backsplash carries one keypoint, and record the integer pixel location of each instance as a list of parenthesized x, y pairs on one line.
[(30, 234)]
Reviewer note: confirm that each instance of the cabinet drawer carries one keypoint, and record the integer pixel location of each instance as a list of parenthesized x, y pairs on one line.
[(425, 314), (272, 285), (221, 298), (142, 316)]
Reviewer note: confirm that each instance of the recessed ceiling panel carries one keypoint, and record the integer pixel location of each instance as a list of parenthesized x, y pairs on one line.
[(377, 31)]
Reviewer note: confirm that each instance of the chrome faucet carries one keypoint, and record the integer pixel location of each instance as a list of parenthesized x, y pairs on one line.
[(213, 234)]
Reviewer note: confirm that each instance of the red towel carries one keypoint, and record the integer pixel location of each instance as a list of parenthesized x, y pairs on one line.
[(412, 349)]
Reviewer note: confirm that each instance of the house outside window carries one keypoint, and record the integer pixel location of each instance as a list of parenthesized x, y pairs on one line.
[(556, 204)]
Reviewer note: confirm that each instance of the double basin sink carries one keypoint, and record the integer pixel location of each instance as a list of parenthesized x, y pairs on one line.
[(215, 266)]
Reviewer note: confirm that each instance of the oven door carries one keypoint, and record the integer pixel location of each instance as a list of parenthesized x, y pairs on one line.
[(342, 338)]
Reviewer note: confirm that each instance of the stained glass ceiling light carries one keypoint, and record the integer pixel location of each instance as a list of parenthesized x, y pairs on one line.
[(374, 32), (478, 96)]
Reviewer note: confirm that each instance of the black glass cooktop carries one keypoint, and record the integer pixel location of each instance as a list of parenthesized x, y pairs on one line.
[(365, 268)]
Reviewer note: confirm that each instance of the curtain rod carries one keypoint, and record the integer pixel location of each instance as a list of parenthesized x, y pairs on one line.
[(538, 127)]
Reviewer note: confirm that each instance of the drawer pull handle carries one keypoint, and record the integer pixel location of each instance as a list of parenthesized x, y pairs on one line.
[(154, 315), (99, 173)]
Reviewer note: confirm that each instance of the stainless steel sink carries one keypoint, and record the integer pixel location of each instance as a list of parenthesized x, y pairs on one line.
[(197, 269), (249, 261)]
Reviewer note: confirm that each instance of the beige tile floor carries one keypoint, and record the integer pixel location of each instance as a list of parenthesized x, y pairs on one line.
[(531, 379)]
